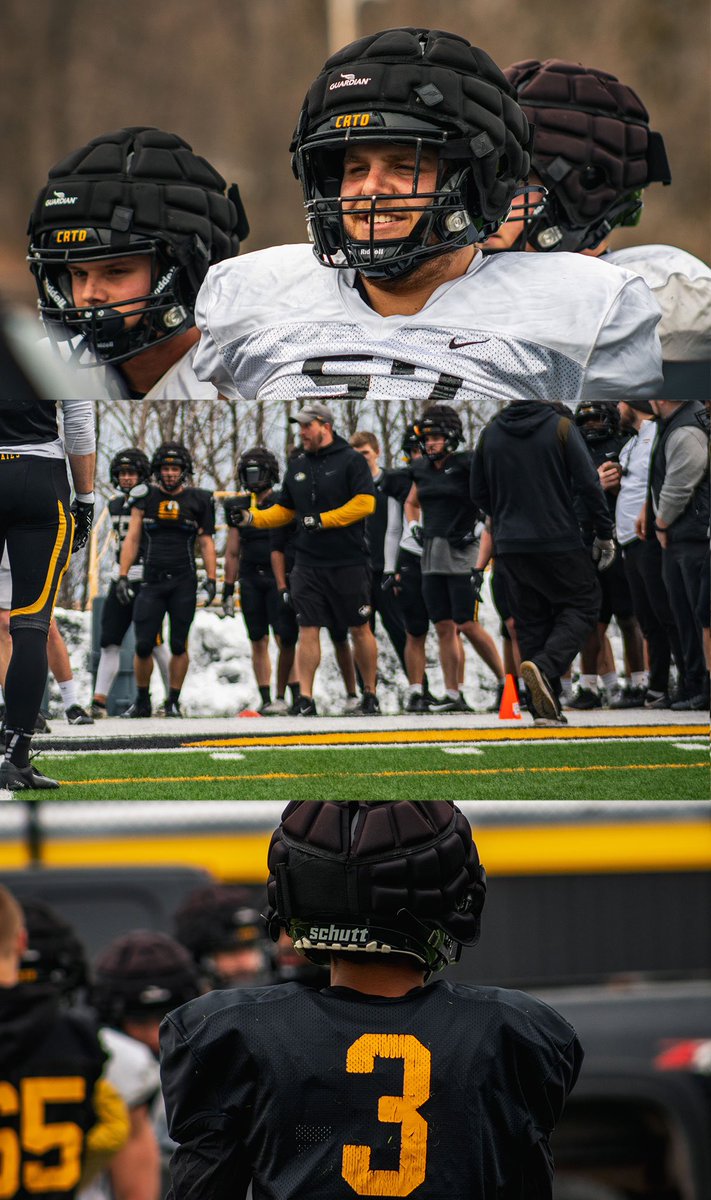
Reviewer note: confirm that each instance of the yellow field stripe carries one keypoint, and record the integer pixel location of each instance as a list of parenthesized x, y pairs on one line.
[(683, 766), (505, 850), (424, 736)]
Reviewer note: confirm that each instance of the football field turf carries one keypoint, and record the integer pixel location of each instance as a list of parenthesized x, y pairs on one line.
[(654, 763)]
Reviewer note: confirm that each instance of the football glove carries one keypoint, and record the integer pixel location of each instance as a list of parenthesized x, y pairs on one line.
[(83, 520), (125, 594), (311, 522), (228, 599), (237, 511), (416, 532), (208, 592), (389, 581), (477, 578), (603, 552), (286, 598)]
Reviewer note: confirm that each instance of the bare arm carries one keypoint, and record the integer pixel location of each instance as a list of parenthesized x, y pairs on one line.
[(82, 467), (232, 556), (135, 1170), (209, 555), (131, 542), (278, 558), (412, 505)]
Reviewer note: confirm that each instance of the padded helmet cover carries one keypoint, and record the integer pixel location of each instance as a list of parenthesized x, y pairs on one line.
[(379, 863), (592, 144), (143, 971), (418, 83), (133, 459)]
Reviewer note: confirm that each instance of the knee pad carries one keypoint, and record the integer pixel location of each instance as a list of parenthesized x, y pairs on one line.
[(177, 647), (144, 649)]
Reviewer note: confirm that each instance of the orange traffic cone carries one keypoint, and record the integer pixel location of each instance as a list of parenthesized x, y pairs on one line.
[(248, 712), (510, 709)]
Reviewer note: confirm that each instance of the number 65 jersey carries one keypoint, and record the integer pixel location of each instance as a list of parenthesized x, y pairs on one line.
[(277, 325), (450, 1091)]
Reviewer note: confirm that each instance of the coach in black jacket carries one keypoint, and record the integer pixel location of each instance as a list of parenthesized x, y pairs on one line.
[(528, 464), (329, 489)]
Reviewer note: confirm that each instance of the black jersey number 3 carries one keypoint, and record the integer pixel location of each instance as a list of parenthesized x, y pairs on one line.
[(400, 1110)]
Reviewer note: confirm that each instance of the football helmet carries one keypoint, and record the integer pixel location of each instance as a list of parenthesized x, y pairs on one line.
[(54, 953), (134, 460), (410, 441), (140, 973), (590, 412), (257, 469), (171, 454), (361, 877), (444, 420), (593, 151), (424, 89), (219, 920), (135, 191)]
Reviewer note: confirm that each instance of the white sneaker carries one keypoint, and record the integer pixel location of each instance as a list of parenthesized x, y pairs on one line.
[(275, 708), (352, 704)]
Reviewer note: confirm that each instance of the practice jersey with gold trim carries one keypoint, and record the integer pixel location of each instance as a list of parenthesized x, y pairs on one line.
[(278, 325), (450, 1091)]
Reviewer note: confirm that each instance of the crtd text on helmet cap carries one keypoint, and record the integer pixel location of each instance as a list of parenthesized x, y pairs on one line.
[(592, 149), (136, 191), (399, 878), (426, 90)]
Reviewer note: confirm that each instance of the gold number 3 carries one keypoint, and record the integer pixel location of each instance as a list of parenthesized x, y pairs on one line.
[(401, 1110)]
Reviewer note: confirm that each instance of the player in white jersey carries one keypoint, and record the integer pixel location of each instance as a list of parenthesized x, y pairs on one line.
[(410, 148), (121, 237), (595, 153)]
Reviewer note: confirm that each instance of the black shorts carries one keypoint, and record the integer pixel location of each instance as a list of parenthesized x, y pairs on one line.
[(116, 618), (37, 525), (176, 598), (335, 597), (412, 604), (450, 598), (616, 596), (262, 608)]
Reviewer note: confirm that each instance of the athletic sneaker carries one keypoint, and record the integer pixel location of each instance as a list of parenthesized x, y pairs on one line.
[(698, 703), (351, 705), (543, 700), (584, 699), (657, 700), (416, 703), (368, 707), (171, 708), (76, 715), (23, 779), (307, 708), (450, 705), (550, 722), (41, 725), (630, 697), (139, 708), (98, 711), (275, 708)]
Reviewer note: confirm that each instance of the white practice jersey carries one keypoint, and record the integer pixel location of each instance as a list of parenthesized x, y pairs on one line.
[(278, 325), (681, 285), (179, 383)]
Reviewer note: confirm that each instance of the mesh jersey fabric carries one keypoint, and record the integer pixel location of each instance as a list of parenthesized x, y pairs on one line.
[(293, 1089), (278, 325)]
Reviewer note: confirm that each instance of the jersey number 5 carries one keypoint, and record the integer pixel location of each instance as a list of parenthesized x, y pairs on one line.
[(37, 1136), (401, 1110)]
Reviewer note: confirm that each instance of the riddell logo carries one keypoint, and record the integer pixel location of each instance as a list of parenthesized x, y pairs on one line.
[(60, 198), (349, 79)]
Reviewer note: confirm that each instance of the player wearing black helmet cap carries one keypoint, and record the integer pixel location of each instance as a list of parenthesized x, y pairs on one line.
[(121, 237), (171, 517), (128, 468), (596, 154), (225, 934), (375, 1085), (248, 560), (410, 148)]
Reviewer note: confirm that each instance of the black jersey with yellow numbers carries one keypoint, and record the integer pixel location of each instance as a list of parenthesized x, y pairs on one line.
[(120, 514), (171, 523), (443, 493), (450, 1091), (50, 1061)]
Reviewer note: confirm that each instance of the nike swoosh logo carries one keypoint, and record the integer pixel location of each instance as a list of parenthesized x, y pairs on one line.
[(455, 345)]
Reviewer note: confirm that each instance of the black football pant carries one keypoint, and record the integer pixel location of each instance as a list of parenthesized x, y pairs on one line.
[(555, 601), (173, 595), (643, 567), (387, 606)]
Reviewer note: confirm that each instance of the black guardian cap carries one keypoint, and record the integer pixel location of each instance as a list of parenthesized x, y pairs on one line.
[(137, 190), (361, 877), (258, 469), (171, 454), (132, 459), (424, 89), (444, 420)]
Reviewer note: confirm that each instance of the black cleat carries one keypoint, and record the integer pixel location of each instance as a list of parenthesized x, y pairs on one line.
[(585, 699), (307, 708), (139, 708), (417, 703), (76, 715), (171, 708), (450, 705), (41, 725), (368, 707), (23, 779)]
